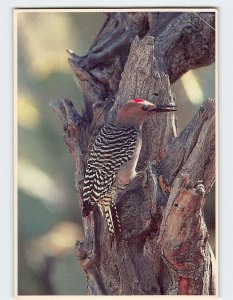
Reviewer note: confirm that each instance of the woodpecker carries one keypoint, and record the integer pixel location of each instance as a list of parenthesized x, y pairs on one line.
[(113, 159)]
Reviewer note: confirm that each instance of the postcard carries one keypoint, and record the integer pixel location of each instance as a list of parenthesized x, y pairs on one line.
[(116, 113)]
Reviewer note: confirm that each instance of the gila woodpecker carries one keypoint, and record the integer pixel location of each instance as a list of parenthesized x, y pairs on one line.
[(113, 158)]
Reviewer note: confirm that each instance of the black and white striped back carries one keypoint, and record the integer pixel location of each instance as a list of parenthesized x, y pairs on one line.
[(112, 147)]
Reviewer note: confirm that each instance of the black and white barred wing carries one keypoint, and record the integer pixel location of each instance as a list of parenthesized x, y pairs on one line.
[(111, 149)]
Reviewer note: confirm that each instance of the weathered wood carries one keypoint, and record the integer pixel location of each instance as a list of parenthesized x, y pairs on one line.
[(183, 41), (195, 144), (139, 80), (188, 42), (183, 241), (164, 248)]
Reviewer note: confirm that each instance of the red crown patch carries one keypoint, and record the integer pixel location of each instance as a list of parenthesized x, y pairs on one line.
[(137, 100)]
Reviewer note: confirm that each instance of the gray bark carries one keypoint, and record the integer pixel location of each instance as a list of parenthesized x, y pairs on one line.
[(164, 248), (183, 41)]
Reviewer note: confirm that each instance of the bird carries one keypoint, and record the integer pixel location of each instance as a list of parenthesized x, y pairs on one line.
[(113, 159)]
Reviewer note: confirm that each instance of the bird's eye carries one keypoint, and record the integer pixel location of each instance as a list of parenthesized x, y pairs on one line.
[(144, 107)]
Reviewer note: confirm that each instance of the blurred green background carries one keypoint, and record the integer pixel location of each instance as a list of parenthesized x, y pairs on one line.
[(49, 220)]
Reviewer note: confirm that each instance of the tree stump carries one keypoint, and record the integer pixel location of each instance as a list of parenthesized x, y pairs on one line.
[(164, 248)]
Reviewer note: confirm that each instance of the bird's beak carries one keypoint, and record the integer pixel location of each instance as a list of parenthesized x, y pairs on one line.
[(164, 108)]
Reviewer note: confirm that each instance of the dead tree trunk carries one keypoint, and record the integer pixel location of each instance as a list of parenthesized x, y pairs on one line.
[(164, 248)]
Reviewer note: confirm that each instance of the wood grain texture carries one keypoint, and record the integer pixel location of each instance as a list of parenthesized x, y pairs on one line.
[(164, 248), (183, 41)]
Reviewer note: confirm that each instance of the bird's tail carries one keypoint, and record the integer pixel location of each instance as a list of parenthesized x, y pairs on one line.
[(109, 219), (113, 222), (115, 218)]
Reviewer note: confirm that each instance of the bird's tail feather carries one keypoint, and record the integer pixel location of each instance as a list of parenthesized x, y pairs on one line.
[(117, 225), (115, 218), (108, 214)]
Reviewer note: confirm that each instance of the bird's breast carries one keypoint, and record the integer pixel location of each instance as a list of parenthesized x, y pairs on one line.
[(128, 170)]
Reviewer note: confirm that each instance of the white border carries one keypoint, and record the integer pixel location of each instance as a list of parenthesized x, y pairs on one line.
[(16, 274), (225, 128)]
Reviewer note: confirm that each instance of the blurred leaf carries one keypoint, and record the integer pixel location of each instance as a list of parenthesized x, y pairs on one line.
[(34, 218), (56, 242), (206, 77), (204, 83), (28, 282), (192, 87), (67, 276)]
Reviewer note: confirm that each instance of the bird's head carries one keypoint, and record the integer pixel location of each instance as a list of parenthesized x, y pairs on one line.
[(136, 111)]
